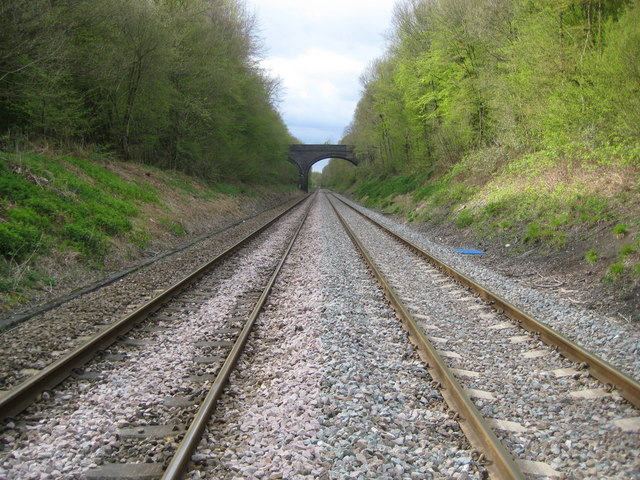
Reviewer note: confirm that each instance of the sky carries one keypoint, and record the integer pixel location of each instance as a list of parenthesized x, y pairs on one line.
[(319, 49)]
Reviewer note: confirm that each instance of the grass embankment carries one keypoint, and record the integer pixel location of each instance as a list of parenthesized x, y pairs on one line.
[(546, 201), (64, 216)]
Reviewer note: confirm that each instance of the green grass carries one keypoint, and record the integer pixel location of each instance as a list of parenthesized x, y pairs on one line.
[(591, 256), (228, 189), (465, 218), (378, 192), (63, 201), (140, 239), (176, 227), (626, 251), (617, 269), (621, 229)]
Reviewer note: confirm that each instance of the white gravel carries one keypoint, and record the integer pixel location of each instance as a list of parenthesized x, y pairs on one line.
[(331, 387), (576, 437), (77, 428), (41, 340)]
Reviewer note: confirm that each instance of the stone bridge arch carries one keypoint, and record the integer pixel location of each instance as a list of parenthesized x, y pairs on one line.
[(304, 156)]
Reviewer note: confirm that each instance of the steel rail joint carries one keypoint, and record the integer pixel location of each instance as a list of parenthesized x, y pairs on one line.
[(477, 430), (600, 369)]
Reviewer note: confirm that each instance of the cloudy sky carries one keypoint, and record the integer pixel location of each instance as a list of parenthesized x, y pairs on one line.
[(319, 49)]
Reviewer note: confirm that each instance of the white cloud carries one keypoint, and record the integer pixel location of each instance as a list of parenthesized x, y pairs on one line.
[(319, 48), (321, 87)]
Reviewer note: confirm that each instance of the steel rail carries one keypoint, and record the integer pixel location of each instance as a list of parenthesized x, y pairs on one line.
[(9, 323), (628, 387), (501, 465), (193, 435), (20, 397)]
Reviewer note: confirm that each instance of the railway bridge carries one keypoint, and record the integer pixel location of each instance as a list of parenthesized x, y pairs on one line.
[(304, 156)]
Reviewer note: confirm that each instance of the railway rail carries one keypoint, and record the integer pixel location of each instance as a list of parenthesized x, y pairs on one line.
[(20, 397), (614, 383), (527, 411)]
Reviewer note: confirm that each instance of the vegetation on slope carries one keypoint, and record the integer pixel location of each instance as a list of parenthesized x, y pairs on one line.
[(67, 218), (517, 119)]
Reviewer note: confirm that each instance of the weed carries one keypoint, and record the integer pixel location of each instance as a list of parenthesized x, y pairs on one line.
[(86, 239), (496, 208), (626, 251), (636, 269), (140, 239), (621, 230), (534, 233), (616, 269), (227, 189), (27, 216), (175, 227), (6, 286), (17, 240), (427, 191), (111, 182), (464, 219), (380, 190), (591, 256)]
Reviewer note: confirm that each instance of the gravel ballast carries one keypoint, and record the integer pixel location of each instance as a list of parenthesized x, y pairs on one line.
[(614, 340), (510, 374), (38, 342), (84, 422), (331, 387)]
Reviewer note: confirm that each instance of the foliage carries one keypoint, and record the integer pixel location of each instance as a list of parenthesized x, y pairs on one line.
[(176, 227), (464, 218), (170, 83), (525, 113), (58, 201), (621, 229), (617, 268)]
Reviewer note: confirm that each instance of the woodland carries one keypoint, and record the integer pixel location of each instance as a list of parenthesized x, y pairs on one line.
[(170, 83), (516, 122), (514, 77)]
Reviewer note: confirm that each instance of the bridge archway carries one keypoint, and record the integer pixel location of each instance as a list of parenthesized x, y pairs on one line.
[(304, 156)]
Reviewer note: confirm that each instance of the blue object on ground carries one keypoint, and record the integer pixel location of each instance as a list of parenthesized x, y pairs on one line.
[(468, 251)]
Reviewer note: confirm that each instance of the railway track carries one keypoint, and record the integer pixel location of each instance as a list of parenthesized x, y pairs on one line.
[(156, 334), (329, 387), (33, 345), (509, 387), (44, 376)]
